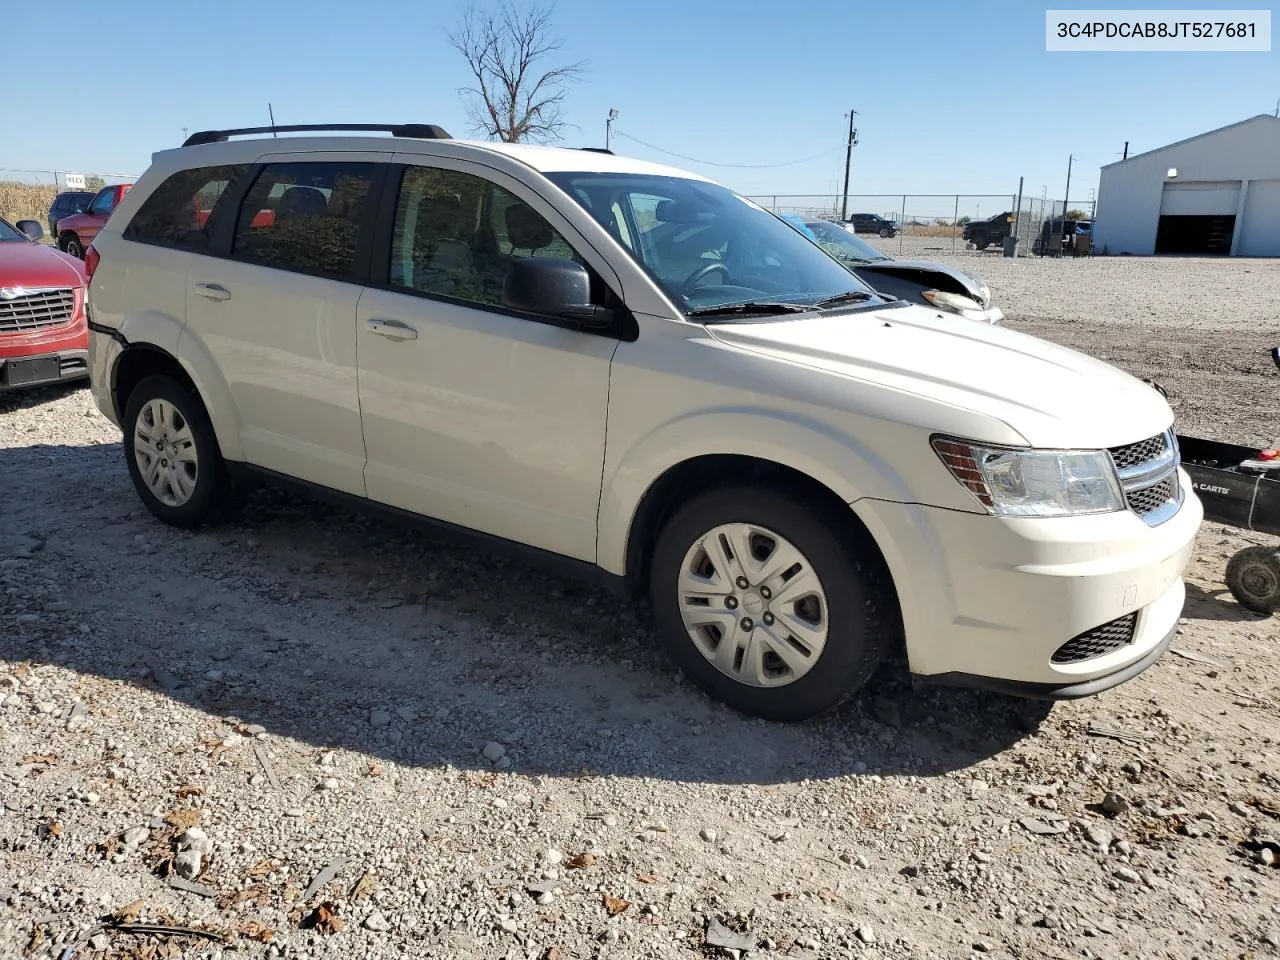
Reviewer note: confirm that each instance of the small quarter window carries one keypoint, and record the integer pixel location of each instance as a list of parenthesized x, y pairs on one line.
[(177, 213)]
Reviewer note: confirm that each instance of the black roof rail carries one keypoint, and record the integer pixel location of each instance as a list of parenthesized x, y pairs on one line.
[(422, 131), (598, 150)]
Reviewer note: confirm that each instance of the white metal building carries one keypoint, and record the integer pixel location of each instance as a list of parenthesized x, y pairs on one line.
[(1217, 193)]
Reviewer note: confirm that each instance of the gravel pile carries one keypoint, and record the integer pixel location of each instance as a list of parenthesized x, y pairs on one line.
[(307, 734)]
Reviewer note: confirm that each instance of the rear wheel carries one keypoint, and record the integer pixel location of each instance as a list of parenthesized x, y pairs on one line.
[(980, 241), (884, 232), (70, 243), (1253, 577), (765, 606), (172, 453)]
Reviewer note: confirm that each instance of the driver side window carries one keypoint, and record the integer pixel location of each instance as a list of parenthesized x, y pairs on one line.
[(456, 235), (102, 202)]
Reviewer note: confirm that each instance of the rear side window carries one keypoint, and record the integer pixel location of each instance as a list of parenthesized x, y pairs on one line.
[(177, 213), (305, 217)]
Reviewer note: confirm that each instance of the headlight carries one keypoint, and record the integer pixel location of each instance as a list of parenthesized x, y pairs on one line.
[(1019, 482), (954, 302)]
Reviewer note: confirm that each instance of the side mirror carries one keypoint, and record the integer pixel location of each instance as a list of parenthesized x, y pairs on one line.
[(31, 228), (553, 287)]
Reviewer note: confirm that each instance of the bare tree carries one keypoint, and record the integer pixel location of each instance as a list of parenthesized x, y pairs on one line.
[(516, 97)]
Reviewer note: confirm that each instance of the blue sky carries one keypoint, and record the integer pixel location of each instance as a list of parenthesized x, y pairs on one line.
[(952, 97)]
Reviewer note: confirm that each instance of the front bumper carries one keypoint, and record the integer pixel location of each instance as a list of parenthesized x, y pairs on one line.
[(987, 601), (62, 366)]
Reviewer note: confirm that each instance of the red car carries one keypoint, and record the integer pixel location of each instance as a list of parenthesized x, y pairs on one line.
[(44, 337), (77, 231)]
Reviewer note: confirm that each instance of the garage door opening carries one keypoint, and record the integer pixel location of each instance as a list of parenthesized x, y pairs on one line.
[(1206, 235)]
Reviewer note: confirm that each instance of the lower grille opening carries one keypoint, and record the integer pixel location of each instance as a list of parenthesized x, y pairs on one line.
[(1098, 642)]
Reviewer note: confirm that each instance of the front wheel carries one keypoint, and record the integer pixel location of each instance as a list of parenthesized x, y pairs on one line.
[(172, 453), (70, 243), (1253, 577), (884, 233), (765, 606)]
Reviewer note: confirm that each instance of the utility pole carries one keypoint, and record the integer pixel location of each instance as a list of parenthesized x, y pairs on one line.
[(1066, 197), (1017, 211), (608, 126), (848, 159)]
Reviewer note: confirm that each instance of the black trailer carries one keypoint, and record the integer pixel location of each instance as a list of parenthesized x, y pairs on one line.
[(1237, 489), (1242, 499)]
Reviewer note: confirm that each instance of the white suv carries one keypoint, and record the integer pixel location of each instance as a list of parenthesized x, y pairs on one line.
[(641, 375)]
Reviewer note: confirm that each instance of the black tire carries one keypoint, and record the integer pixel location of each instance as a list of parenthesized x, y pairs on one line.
[(884, 233), (1253, 577), (212, 484), (70, 243), (980, 241), (862, 614)]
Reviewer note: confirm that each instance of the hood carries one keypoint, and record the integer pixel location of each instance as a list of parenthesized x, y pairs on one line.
[(1051, 396), (37, 265), (976, 288)]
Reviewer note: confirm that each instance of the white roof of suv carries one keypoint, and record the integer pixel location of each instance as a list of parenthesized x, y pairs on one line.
[(544, 159)]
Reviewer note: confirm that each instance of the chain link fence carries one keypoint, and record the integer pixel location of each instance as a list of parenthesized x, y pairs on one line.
[(28, 194), (902, 223)]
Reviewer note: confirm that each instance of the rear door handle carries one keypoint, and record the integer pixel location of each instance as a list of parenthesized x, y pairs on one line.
[(213, 291), (392, 329)]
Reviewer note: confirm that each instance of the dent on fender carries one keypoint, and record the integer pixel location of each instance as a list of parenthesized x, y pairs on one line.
[(839, 462)]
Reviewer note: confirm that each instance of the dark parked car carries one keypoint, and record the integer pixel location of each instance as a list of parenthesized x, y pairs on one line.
[(872, 223), (917, 281), (983, 233), (65, 204), (1071, 231)]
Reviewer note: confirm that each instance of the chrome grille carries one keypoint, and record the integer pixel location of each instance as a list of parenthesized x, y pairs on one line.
[(1098, 642), (37, 309), (1148, 472), (1136, 454)]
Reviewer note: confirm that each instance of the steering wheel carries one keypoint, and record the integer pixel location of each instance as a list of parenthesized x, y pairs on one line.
[(705, 271)]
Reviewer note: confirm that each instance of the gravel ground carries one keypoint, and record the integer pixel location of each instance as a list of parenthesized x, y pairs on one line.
[(308, 734)]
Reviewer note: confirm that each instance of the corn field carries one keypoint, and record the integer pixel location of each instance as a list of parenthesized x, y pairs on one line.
[(26, 201)]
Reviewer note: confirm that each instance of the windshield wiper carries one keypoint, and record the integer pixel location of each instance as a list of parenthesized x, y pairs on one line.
[(749, 306), (849, 296)]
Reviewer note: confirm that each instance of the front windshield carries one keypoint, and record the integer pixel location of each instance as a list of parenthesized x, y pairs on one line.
[(705, 245), (842, 244), (9, 233)]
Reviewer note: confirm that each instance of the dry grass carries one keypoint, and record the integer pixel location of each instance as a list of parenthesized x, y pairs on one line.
[(26, 201)]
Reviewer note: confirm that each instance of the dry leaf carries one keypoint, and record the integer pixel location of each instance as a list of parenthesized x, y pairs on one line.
[(783, 895), (260, 870), (256, 931), (614, 905), (46, 758), (364, 886), (189, 790), (51, 828), (375, 769), (581, 861), (126, 914), (826, 895), (647, 877), (324, 919), (182, 819), (552, 953)]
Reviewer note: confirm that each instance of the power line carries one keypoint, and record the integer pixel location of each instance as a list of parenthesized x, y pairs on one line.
[(712, 163)]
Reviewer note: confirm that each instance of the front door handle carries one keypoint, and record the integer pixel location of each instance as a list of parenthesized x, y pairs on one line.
[(213, 291), (392, 329)]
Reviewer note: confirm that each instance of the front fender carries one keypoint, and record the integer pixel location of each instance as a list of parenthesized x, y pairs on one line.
[(840, 462)]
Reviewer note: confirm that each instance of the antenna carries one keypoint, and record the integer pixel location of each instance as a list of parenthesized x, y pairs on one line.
[(272, 114)]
